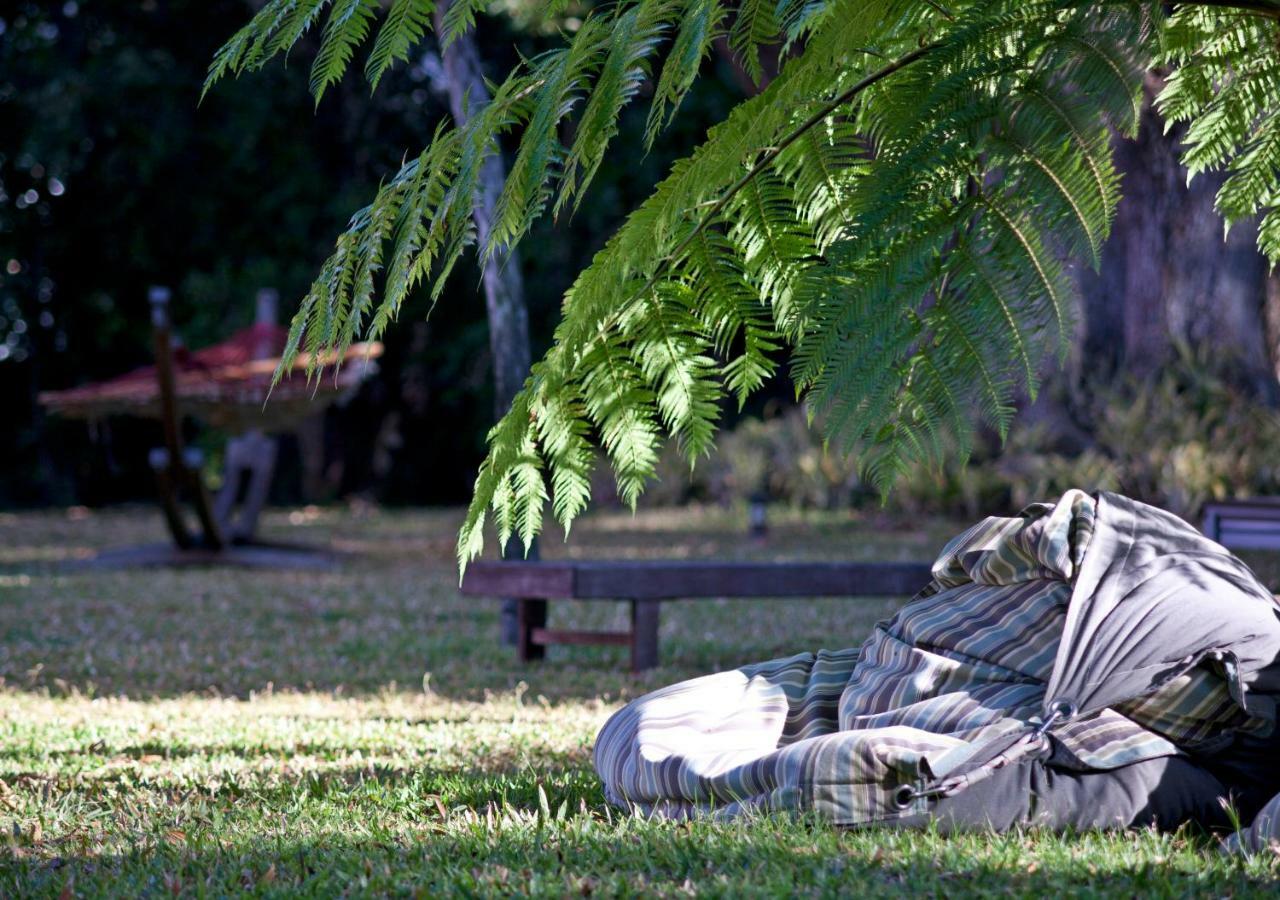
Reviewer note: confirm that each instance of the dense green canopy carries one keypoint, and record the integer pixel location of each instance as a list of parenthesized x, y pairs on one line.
[(894, 213)]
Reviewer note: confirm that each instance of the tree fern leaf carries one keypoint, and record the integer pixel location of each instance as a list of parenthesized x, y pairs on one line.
[(231, 57), (562, 431), (995, 286), (675, 360), (1254, 174), (891, 211), (1092, 147), (622, 408), (562, 77), (406, 24), (700, 25), (291, 29), (348, 26), (634, 38), (1269, 232), (1051, 178), (755, 26), (458, 19), (1048, 274)]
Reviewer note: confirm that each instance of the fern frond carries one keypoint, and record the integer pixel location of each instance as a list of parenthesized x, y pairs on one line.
[(562, 433), (1048, 278), (755, 27), (823, 167), (619, 401), (635, 35), (562, 78), (1226, 88), (677, 362), (263, 36), (731, 312), (778, 250), (699, 27), (458, 19), (406, 24), (347, 27), (1052, 111), (895, 214)]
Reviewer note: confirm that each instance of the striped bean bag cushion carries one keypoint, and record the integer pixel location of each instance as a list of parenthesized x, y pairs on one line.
[(957, 678)]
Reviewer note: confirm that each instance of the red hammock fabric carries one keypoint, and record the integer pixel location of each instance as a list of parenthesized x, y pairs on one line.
[(225, 384)]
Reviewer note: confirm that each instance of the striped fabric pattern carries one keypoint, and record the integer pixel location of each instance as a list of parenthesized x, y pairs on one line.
[(839, 732)]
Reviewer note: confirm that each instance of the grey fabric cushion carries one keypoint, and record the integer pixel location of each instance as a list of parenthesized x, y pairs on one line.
[(1152, 597), (1164, 792)]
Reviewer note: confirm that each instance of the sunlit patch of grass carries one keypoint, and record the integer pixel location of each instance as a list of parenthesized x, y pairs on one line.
[(208, 732)]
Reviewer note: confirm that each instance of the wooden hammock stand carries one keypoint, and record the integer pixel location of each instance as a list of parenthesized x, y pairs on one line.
[(224, 531), (204, 529)]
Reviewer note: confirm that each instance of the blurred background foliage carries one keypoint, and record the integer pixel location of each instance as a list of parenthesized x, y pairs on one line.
[(1178, 439), (113, 178)]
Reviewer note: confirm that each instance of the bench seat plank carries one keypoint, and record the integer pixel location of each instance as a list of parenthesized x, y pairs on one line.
[(1244, 524), (684, 579)]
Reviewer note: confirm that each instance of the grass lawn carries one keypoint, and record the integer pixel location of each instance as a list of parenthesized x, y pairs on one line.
[(209, 732)]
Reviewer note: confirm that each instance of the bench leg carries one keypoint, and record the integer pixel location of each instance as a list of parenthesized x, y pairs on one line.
[(644, 634), (530, 614), (1212, 527)]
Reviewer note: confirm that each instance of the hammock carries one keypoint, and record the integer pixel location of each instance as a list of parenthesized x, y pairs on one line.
[(226, 385)]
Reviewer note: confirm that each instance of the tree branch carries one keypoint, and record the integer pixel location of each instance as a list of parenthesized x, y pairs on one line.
[(775, 151), (942, 9), (1261, 7)]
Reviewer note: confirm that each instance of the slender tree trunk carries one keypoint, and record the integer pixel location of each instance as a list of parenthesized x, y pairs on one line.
[(503, 286)]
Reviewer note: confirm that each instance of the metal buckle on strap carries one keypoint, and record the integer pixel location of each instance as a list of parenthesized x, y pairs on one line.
[(907, 794), (1059, 712)]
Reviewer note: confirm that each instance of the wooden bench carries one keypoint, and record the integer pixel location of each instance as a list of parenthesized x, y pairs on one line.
[(1244, 524), (646, 584)]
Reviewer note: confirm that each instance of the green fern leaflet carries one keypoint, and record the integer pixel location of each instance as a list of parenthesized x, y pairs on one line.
[(892, 218)]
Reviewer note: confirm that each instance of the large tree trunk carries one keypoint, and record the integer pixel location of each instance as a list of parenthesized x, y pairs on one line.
[(1168, 277), (503, 285)]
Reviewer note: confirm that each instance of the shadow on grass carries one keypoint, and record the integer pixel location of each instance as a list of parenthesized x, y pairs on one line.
[(237, 637), (394, 616), (531, 826), (541, 828), (530, 852)]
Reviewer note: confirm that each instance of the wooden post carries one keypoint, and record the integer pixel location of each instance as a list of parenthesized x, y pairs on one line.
[(507, 312), (530, 614), (182, 466), (213, 538), (168, 491), (166, 462), (162, 342), (644, 634)]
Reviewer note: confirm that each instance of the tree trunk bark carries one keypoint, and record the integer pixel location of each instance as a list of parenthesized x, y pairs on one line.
[(503, 286), (1169, 279)]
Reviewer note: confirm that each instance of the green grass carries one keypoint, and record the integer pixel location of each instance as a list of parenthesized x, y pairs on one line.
[(209, 732)]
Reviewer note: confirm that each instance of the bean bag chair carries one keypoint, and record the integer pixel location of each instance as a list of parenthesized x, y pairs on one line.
[(1094, 662)]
